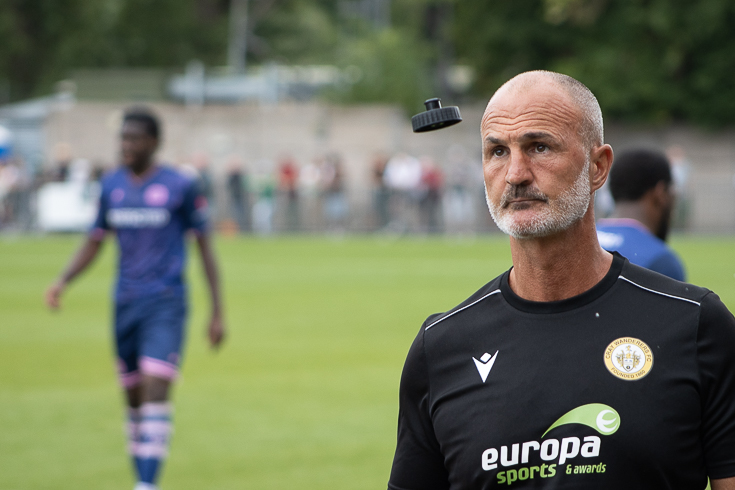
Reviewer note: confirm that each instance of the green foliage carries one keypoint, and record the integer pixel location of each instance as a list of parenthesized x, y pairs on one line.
[(655, 60), (34, 40), (40, 41), (167, 33), (651, 60), (388, 66), (293, 31)]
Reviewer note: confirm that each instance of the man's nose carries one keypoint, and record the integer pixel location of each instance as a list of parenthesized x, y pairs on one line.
[(518, 171)]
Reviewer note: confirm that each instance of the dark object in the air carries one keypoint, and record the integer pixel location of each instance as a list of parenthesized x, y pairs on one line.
[(435, 117)]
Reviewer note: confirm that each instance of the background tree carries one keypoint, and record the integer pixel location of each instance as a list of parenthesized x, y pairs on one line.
[(39, 39), (654, 60), (651, 60), (42, 40)]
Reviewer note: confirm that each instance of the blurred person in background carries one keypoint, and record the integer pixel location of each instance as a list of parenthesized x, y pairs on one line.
[(200, 163), (63, 157), (150, 208), (288, 175), (458, 203), (310, 194), (430, 205), (380, 191), (642, 187), (402, 177), (239, 193), (11, 183), (681, 171), (334, 200), (264, 207)]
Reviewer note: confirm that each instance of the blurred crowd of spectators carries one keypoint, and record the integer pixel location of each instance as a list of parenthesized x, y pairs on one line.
[(20, 183), (398, 193), (392, 193), (14, 191)]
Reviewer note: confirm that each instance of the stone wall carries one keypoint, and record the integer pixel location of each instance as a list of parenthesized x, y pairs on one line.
[(261, 134)]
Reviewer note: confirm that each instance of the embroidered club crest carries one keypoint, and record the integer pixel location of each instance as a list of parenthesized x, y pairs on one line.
[(628, 358)]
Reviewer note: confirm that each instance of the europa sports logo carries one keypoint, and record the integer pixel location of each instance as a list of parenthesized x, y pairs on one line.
[(554, 452)]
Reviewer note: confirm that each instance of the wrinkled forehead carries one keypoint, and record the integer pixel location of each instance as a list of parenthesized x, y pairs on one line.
[(538, 107)]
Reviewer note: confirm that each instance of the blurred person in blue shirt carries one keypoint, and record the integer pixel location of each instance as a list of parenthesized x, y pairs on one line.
[(150, 208), (641, 185)]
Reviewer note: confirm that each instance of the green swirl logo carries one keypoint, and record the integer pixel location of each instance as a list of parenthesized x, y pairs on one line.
[(603, 418)]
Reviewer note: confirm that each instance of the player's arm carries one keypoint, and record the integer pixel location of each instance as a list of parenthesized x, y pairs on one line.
[(195, 213), (79, 262), (723, 484), (84, 256), (216, 330)]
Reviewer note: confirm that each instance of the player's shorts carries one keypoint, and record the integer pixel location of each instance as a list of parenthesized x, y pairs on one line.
[(149, 333)]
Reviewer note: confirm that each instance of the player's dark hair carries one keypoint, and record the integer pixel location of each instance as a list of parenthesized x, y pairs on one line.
[(146, 117), (635, 172)]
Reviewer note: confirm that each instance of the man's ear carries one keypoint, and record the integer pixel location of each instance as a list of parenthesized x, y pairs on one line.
[(601, 159)]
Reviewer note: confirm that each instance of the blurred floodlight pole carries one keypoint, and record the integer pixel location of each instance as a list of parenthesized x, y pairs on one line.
[(237, 46)]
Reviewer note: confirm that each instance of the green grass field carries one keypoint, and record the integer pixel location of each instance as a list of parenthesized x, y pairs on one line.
[(304, 394)]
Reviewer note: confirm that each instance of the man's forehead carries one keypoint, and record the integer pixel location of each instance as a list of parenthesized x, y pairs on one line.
[(542, 107), (535, 119)]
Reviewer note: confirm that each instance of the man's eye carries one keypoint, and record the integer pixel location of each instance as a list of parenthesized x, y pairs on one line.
[(498, 152), (541, 148)]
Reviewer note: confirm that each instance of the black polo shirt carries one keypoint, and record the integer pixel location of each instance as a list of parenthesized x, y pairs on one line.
[(628, 385)]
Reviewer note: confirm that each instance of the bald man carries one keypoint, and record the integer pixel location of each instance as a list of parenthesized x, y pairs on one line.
[(575, 368)]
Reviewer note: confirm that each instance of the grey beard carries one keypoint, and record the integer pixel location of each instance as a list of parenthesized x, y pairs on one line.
[(559, 215)]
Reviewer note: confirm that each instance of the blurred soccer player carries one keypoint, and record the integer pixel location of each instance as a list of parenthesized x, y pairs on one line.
[(642, 188), (150, 208)]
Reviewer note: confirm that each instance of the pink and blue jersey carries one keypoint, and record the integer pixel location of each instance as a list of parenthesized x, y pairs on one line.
[(150, 217), (635, 242)]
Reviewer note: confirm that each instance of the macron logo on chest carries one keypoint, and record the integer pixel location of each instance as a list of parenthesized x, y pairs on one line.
[(485, 364)]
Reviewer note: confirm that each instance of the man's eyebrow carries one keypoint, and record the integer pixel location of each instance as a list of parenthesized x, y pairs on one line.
[(493, 140), (532, 136), (537, 135)]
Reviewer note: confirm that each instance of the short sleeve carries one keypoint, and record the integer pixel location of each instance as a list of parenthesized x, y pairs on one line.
[(195, 208), (418, 463), (100, 225), (716, 359)]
